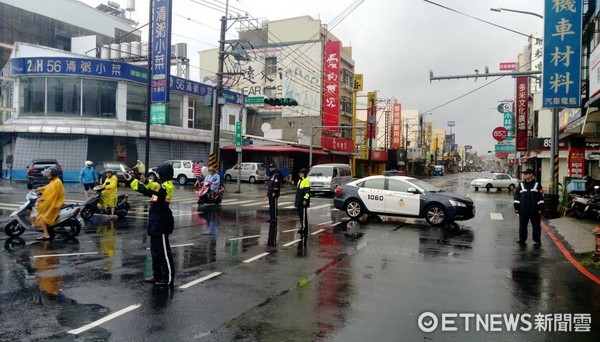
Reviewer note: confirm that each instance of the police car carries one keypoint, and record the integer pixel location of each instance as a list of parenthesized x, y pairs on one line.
[(402, 196)]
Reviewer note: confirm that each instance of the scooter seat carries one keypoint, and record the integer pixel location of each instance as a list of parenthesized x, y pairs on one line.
[(65, 206)]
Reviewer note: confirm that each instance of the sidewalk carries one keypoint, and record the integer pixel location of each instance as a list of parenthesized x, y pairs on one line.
[(576, 234)]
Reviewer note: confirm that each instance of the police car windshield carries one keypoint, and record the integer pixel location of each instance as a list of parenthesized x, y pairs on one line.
[(321, 172), (425, 186)]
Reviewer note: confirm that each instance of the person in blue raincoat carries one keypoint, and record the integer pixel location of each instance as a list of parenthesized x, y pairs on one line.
[(88, 177)]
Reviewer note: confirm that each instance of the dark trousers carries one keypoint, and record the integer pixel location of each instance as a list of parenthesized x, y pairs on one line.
[(162, 259), (303, 216), (273, 208), (524, 219)]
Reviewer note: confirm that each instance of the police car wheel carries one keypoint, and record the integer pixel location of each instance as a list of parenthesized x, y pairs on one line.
[(488, 187), (354, 209), (511, 187), (435, 215)]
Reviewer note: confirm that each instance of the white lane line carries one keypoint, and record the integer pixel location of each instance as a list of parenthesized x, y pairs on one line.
[(103, 320), (324, 223), (255, 258), (181, 245), (253, 203), (242, 202), (198, 281), (292, 242), (289, 230), (335, 224), (321, 206), (289, 207), (62, 255), (245, 237), (317, 232), (496, 216)]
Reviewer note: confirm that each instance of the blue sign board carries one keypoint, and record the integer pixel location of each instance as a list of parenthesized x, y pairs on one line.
[(505, 148), (561, 74), (66, 66), (161, 49), (452, 142)]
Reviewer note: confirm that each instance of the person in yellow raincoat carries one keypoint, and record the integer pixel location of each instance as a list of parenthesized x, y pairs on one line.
[(108, 197), (50, 202)]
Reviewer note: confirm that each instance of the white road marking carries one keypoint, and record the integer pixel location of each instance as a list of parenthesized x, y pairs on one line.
[(292, 242), (62, 255), (241, 202), (255, 258), (103, 320), (335, 224), (317, 232), (496, 216), (289, 230), (181, 245), (321, 206), (198, 281), (324, 223), (253, 203), (245, 237), (289, 207)]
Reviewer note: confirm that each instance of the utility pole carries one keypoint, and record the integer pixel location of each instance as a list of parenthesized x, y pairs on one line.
[(148, 93), (406, 146), (370, 123), (213, 159)]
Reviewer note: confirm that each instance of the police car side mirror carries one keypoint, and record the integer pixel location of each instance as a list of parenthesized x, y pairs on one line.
[(413, 190), (596, 187)]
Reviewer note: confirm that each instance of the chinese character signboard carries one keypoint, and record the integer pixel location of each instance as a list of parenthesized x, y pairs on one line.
[(561, 74), (331, 91), (161, 50), (508, 66), (577, 162), (508, 123), (159, 113), (396, 125), (522, 97), (337, 144), (505, 148), (358, 82)]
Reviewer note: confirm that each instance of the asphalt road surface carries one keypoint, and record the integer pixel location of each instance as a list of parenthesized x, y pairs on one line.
[(374, 280)]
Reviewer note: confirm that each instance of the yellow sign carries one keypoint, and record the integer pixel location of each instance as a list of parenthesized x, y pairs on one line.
[(401, 202), (372, 96), (358, 82)]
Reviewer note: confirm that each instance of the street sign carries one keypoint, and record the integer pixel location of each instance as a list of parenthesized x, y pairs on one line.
[(255, 100), (160, 33), (238, 136), (508, 66), (505, 148), (159, 113), (499, 133), (451, 123)]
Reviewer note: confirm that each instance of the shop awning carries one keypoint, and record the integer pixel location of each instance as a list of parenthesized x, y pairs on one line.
[(274, 149)]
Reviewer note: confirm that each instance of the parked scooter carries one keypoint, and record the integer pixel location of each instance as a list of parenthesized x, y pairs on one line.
[(587, 207), (66, 224), (205, 198), (90, 206)]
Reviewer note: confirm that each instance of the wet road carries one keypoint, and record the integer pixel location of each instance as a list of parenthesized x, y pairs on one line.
[(349, 281)]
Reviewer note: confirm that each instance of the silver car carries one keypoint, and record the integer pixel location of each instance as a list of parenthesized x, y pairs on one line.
[(251, 172)]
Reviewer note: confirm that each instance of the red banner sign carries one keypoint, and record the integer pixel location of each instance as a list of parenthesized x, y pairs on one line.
[(577, 162), (396, 125), (508, 66), (331, 91), (378, 155), (521, 107), (500, 133), (337, 144)]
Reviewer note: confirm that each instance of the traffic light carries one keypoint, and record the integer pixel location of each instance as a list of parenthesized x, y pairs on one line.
[(280, 102)]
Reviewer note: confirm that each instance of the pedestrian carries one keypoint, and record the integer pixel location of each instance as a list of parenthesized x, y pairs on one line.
[(160, 222), (198, 173), (109, 195), (88, 177), (273, 191), (302, 201), (529, 205)]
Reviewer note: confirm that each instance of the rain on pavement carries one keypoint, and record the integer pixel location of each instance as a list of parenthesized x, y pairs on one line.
[(348, 281)]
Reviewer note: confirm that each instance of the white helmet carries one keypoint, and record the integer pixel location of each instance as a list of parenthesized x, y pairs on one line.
[(89, 163)]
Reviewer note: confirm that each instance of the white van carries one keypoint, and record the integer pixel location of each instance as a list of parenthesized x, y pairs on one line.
[(327, 177)]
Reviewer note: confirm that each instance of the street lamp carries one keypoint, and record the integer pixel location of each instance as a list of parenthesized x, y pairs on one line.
[(517, 11)]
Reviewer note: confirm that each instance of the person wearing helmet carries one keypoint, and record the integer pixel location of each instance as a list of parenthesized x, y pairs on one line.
[(109, 196), (50, 202), (302, 201), (88, 177), (160, 222)]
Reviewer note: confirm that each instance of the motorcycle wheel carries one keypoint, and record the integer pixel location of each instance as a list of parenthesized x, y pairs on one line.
[(69, 228), (121, 212), (86, 213), (14, 229)]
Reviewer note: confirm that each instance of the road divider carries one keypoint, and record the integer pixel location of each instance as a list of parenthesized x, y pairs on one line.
[(198, 281), (290, 230), (324, 223), (292, 242), (104, 320), (63, 255), (245, 237), (256, 257), (318, 231)]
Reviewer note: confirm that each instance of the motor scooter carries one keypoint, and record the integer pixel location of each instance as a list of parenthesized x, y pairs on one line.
[(205, 198), (589, 207), (66, 224), (90, 206)]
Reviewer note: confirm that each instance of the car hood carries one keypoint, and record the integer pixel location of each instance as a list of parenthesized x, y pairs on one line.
[(453, 196)]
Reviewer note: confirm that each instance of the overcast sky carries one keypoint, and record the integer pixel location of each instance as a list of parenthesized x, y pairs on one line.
[(395, 44)]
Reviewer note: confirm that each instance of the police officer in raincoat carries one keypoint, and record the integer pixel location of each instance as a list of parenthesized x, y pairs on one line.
[(529, 205), (302, 201), (160, 222), (109, 196)]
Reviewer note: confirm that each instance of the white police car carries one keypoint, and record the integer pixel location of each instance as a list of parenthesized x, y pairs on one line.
[(402, 196)]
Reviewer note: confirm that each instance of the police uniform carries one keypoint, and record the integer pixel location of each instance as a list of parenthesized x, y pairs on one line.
[(160, 223), (303, 196), (529, 203), (274, 188)]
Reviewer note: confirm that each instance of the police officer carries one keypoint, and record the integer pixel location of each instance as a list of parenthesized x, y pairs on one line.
[(529, 205), (273, 192), (302, 201), (160, 222)]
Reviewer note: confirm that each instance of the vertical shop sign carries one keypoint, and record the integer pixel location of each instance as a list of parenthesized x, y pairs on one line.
[(396, 125), (161, 50), (331, 91), (521, 107)]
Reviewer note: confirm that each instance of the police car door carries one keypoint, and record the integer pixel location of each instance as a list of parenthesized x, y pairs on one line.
[(372, 194), (399, 201)]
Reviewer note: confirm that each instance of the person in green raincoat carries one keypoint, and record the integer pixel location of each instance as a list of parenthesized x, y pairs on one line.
[(108, 197)]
